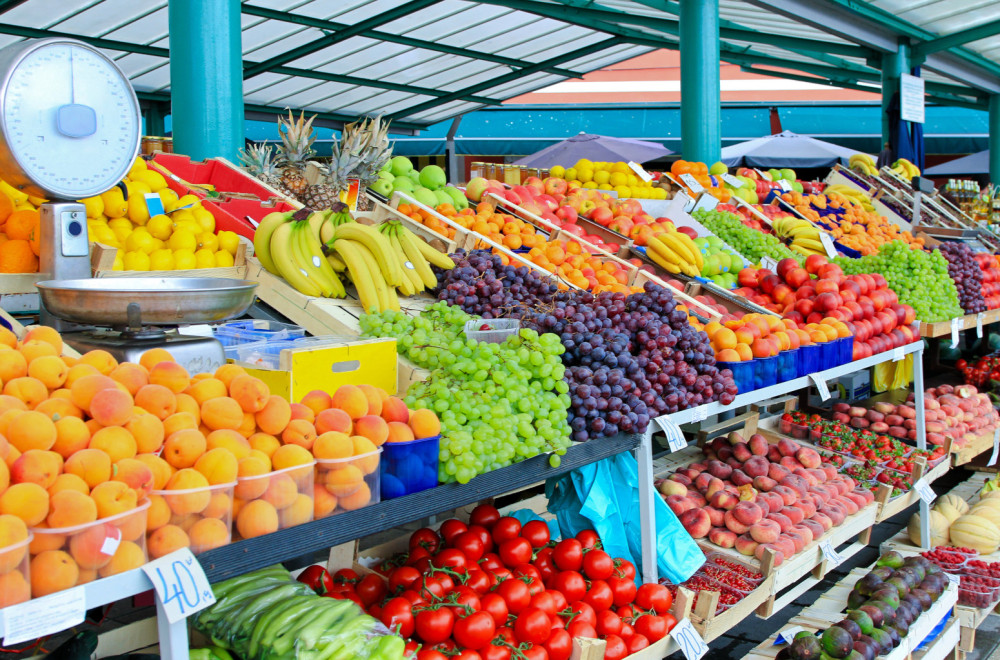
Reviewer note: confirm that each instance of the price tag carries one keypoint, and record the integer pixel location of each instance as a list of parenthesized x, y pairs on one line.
[(686, 200), (996, 448), (733, 181), (640, 171), (821, 386), (898, 353), (924, 490), (692, 645), (43, 616), (788, 634), (827, 241), (154, 204), (705, 202), (979, 324), (956, 325), (784, 185), (765, 176), (692, 183), (829, 554), (675, 437), (180, 584), (769, 263), (953, 579)]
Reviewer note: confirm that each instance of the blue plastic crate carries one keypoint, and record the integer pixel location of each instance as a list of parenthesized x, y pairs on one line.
[(742, 374), (409, 467), (788, 366), (251, 330), (765, 372), (809, 359)]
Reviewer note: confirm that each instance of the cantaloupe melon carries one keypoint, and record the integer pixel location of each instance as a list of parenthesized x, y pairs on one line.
[(948, 511), (957, 502), (975, 532), (938, 530)]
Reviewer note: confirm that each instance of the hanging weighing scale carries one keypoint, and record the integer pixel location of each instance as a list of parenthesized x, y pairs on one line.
[(69, 129)]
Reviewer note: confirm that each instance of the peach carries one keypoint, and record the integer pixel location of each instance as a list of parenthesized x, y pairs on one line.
[(793, 513), (72, 435), (805, 532), (165, 540), (756, 466), (784, 522), (733, 524), (746, 545), (69, 482), (128, 556), (208, 533), (778, 555), (299, 432), (91, 465), (136, 475), (666, 487), (52, 571), (777, 472), (717, 516), (351, 400), (375, 428), (679, 504), (425, 423), (788, 495), (112, 498), (38, 467), (719, 469), (266, 443), (27, 501), (30, 430), (808, 457), (697, 498), (724, 500), (773, 454), (256, 518), (290, 456), (195, 501), (170, 375), (748, 513), (764, 484), (722, 537), (334, 419), (207, 388), (765, 531), (160, 468), (376, 396), (741, 452), (714, 486), (183, 448), (316, 400), (399, 432), (740, 478), (703, 480), (395, 410), (156, 400), (814, 526), (785, 545), (275, 416), (70, 508), (696, 522), (758, 445), (227, 372), (823, 520), (114, 441), (230, 440)]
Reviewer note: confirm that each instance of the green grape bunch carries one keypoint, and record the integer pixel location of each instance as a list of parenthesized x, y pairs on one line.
[(752, 244)]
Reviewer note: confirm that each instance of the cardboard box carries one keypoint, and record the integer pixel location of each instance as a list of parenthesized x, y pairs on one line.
[(328, 365)]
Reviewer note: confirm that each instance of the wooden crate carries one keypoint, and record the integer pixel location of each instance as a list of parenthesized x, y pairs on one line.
[(711, 625), (963, 455), (18, 292), (102, 259), (967, 322), (464, 238)]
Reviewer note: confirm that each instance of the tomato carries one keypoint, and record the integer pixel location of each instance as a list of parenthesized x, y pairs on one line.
[(466, 600), (430, 654), (625, 569), (515, 593), (568, 555), (506, 633), (546, 602), (479, 581), (637, 643), (561, 603), (557, 623), (615, 648), (434, 626), (345, 576), (627, 631), (598, 565), (495, 606), (470, 545), (414, 597), (416, 554), (483, 534), (671, 621), (484, 515), (431, 586), (599, 595), (535, 585), (626, 612), (654, 597), (493, 652), (532, 626), (559, 645), (467, 654), (537, 533), (318, 579), (505, 529), (526, 570), (502, 574), (426, 538), (571, 584), (450, 558), (584, 613), (589, 538), (398, 611), (371, 589), (450, 529), (652, 626), (514, 552), (536, 652), (580, 629), (422, 564), (623, 590), (375, 611), (608, 623), (474, 631), (546, 567), (490, 561), (347, 595)]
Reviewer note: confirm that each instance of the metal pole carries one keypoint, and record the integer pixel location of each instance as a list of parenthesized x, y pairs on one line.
[(893, 64), (206, 77), (451, 162), (701, 109), (918, 403), (647, 511), (995, 138), (154, 119)]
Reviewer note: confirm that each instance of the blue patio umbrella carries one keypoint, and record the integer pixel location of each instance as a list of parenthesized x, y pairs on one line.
[(978, 163), (597, 148), (786, 149)]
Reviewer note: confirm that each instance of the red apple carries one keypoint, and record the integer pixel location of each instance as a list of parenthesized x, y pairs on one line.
[(567, 214), (602, 215), (555, 185), (762, 273)]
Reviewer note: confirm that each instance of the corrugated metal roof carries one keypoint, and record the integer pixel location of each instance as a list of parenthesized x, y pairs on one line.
[(424, 61)]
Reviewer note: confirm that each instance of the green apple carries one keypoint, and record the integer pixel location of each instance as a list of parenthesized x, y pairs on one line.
[(442, 198), (387, 175), (400, 165), (432, 177), (425, 197), (458, 198), (796, 186), (788, 175), (718, 168), (403, 184), (382, 187)]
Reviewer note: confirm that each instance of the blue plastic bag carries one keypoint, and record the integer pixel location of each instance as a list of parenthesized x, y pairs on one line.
[(604, 496)]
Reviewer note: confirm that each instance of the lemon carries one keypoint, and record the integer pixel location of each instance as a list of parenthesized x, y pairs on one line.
[(589, 184), (184, 260), (204, 258), (160, 226), (583, 163), (106, 235), (623, 191), (119, 263), (204, 218), (633, 180), (161, 260), (139, 165), (96, 222), (136, 261), (183, 239), (154, 180), (570, 174), (605, 186), (601, 176), (116, 223), (140, 240), (229, 241), (115, 205), (208, 240), (140, 187), (121, 233), (183, 215), (558, 171), (158, 244), (620, 167), (167, 196), (187, 200), (618, 179), (94, 206), (223, 259), (585, 175)]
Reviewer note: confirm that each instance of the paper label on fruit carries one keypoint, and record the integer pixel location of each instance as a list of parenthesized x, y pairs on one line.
[(111, 542), (996, 448), (765, 176), (733, 181), (956, 325), (692, 645), (675, 437), (829, 554), (979, 325), (788, 634), (692, 183), (784, 185), (639, 171), (924, 490), (768, 263), (44, 616), (409, 264), (154, 204), (821, 386), (180, 583), (898, 353), (827, 241)]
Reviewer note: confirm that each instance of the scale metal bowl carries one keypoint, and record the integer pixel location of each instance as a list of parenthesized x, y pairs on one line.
[(162, 301)]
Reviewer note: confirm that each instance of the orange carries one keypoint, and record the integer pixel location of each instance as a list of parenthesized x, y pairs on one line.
[(17, 257)]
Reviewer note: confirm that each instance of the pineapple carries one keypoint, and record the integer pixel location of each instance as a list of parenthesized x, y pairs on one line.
[(320, 195), (360, 153), (295, 149), (258, 161)]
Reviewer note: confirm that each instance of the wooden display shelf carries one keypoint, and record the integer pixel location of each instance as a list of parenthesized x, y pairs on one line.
[(711, 625), (967, 322), (464, 238), (965, 454), (18, 292)]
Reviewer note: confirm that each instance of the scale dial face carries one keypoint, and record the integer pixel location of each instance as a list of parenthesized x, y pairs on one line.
[(69, 119)]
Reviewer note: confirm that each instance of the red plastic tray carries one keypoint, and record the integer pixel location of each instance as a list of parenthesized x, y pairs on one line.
[(231, 214), (224, 178)]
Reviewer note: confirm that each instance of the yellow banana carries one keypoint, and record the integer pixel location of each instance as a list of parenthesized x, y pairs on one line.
[(377, 245), (364, 283), (413, 255), (381, 288), (657, 245), (688, 242), (433, 257), (305, 261), (17, 196), (282, 241), (313, 251), (336, 263), (810, 244), (409, 274), (663, 263), (262, 239), (674, 244)]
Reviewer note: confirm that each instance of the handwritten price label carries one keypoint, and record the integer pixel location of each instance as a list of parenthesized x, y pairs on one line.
[(827, 241), (768, 263), (821, 386), (733, 181), (699, 414), (675, 438), (640, 171), (788, 634), (784, 185), (154, 204), (692, 183), (692, 645), (180, 584), (996, 448), (830, 554), (924, 490), (956, 325)]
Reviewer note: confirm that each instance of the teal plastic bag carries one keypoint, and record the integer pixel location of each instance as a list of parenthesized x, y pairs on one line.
[(604, 496)]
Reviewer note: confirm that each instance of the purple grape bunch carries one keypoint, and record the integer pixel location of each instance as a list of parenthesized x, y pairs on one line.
[(967, 275)]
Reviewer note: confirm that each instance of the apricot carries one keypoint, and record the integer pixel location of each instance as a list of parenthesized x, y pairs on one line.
[(375, 396), (196, 495), (206, 534), (11, 403), (50, 370), (44, 540), (101, 360), (156, 400), (324, 502), (70, 508), (37, 466), (227, 372), (256, 518), (219, 505), (133, 376), (165, 540), (367, 453), (394, 410), (219, 466), (27, 501), (12, 365), (275, 415), (161, 470), (78, 371), (158, 513), (116, 442), (230, 440), (12, 455), (32, 350), (288, 456), (45, 334), (251, 393), (252, 483), (170, 375), (178, 421), (343, 480), (132, 525), (356, 500), (399, 432), (69, 482), (317, 401), (425, 423), (82, 390), (334, 419), (30, 390), (205, 389), (52, 571), (112, 498), (374, 428), (351, 400), (281, 491), (299, 432), (148, 432), (186, 403), (58, 408), (249, 425), (136, 475), (86, 575), (128, 556), (9, 339), (183, 448), (333, 444), (154, 356), (12, 531), (91, 465), (221, 413), (298, 512), (30, 430), (265, 443), (14, 589)]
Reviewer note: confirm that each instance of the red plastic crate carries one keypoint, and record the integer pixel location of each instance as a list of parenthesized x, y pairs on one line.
[(224, 177), (231, 214)]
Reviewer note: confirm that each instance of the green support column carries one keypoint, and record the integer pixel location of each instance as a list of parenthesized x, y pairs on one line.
[(206, 77), (893, 64), (154, 117), (701, 96), (995, 138)]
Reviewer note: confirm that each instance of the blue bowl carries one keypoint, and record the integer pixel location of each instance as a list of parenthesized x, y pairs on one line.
[(742, 374), (809, 359), (765, 372), (788, 365), (409, 467)]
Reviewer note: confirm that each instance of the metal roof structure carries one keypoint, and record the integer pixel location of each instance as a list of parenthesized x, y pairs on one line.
[(423, 61)]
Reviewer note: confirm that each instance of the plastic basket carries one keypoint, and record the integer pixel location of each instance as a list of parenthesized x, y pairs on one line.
[(499, 330), (268, 502), (346, 484), (252, 330), (409, 467), (809, 359), (788, 367), (742, 374), (199, 518), (765, 372), (15, 573), (267, 353)]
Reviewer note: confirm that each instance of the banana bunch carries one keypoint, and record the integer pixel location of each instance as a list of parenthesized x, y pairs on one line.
[(990, 486), (268, 614), (905, 169), (802, 235), (864, 163), (846, 194), (288, 245), (676, 252)]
